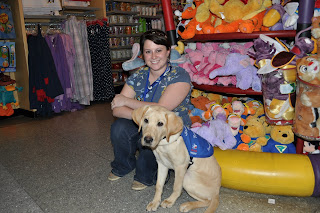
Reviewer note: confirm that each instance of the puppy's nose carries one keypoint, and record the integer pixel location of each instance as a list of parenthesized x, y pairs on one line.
[(148, 139)]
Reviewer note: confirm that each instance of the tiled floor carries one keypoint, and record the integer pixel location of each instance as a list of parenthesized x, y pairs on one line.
[(60, 164)]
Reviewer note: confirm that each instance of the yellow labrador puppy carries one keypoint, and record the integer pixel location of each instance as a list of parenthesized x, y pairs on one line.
[(161, 130)]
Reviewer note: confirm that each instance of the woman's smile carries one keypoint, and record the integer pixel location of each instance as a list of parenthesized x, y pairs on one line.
[(155, 56)]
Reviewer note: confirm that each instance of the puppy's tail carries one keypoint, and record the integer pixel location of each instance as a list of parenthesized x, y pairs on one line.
[(213, 204)]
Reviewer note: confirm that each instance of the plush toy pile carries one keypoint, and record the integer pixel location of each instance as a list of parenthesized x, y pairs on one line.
[(237, 123), (226, 64), (225, 16)]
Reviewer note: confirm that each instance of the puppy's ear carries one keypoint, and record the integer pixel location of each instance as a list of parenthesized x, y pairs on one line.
[(174, 124), (138, 114)]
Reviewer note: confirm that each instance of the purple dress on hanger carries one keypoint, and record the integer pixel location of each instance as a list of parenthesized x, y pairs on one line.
[(64, 101)]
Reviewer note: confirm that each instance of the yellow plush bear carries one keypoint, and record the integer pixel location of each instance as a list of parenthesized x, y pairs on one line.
[(254, 135), (282, 138), (234, 10)]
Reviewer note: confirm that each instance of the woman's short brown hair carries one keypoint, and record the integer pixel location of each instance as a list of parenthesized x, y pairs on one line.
[(156, 36)]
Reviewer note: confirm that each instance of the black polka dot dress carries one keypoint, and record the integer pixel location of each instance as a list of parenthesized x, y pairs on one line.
[(98, 38)]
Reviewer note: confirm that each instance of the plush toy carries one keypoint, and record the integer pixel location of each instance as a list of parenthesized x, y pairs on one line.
[(306, 117), (6, 110), (202, 21), (281, 140), (315, 31), (183, 22), (253, 24), (200, 102), (197, 61), (242, 67), (196, 93), (311, 147), (281, 16), (7, 97), (254, 135), (234, 10), (308, 69), (235, 122), (213, 97), (217, 132), (5, 80)]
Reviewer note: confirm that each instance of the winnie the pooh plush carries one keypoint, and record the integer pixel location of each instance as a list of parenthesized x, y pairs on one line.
[(281, 141), (254, 135)]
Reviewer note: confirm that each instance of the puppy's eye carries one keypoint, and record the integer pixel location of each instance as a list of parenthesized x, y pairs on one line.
[(146, 120), (160, 124)]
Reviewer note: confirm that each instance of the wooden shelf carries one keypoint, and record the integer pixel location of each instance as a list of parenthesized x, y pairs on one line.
[(226, 90), (246, 36)]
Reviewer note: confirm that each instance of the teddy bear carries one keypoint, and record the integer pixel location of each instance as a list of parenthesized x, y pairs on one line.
[(254, 136), (242, 67), (216, 131), (281, 141)]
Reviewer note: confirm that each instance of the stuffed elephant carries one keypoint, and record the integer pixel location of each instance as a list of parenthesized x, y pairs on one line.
[(242, 67)]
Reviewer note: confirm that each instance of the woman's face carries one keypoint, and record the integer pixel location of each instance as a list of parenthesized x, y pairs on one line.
[(155, 56)]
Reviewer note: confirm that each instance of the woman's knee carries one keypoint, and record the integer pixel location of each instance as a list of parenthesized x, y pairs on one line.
[(123, 128)]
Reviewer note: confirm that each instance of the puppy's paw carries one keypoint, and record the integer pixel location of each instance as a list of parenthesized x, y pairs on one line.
[(167, 203), (185, 207), (153, 206)]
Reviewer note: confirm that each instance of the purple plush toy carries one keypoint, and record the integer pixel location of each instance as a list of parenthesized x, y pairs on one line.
[(242, 67), (217, 132)]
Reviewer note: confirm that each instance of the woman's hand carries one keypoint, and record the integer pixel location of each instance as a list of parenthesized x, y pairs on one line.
[(118, 101)]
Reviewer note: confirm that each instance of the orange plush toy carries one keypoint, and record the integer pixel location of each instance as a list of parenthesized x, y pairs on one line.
[(202, 21), (225, 27), (253, 24)]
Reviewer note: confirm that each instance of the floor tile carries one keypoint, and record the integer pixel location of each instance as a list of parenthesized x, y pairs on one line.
[(13, 197)]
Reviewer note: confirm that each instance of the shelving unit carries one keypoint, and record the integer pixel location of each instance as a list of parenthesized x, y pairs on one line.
[(121, 37)]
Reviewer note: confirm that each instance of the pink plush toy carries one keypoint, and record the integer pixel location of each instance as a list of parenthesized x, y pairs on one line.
[(240, 48), (242, 67)]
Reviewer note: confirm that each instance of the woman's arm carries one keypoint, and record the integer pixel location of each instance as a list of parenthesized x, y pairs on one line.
[(124, 103)]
